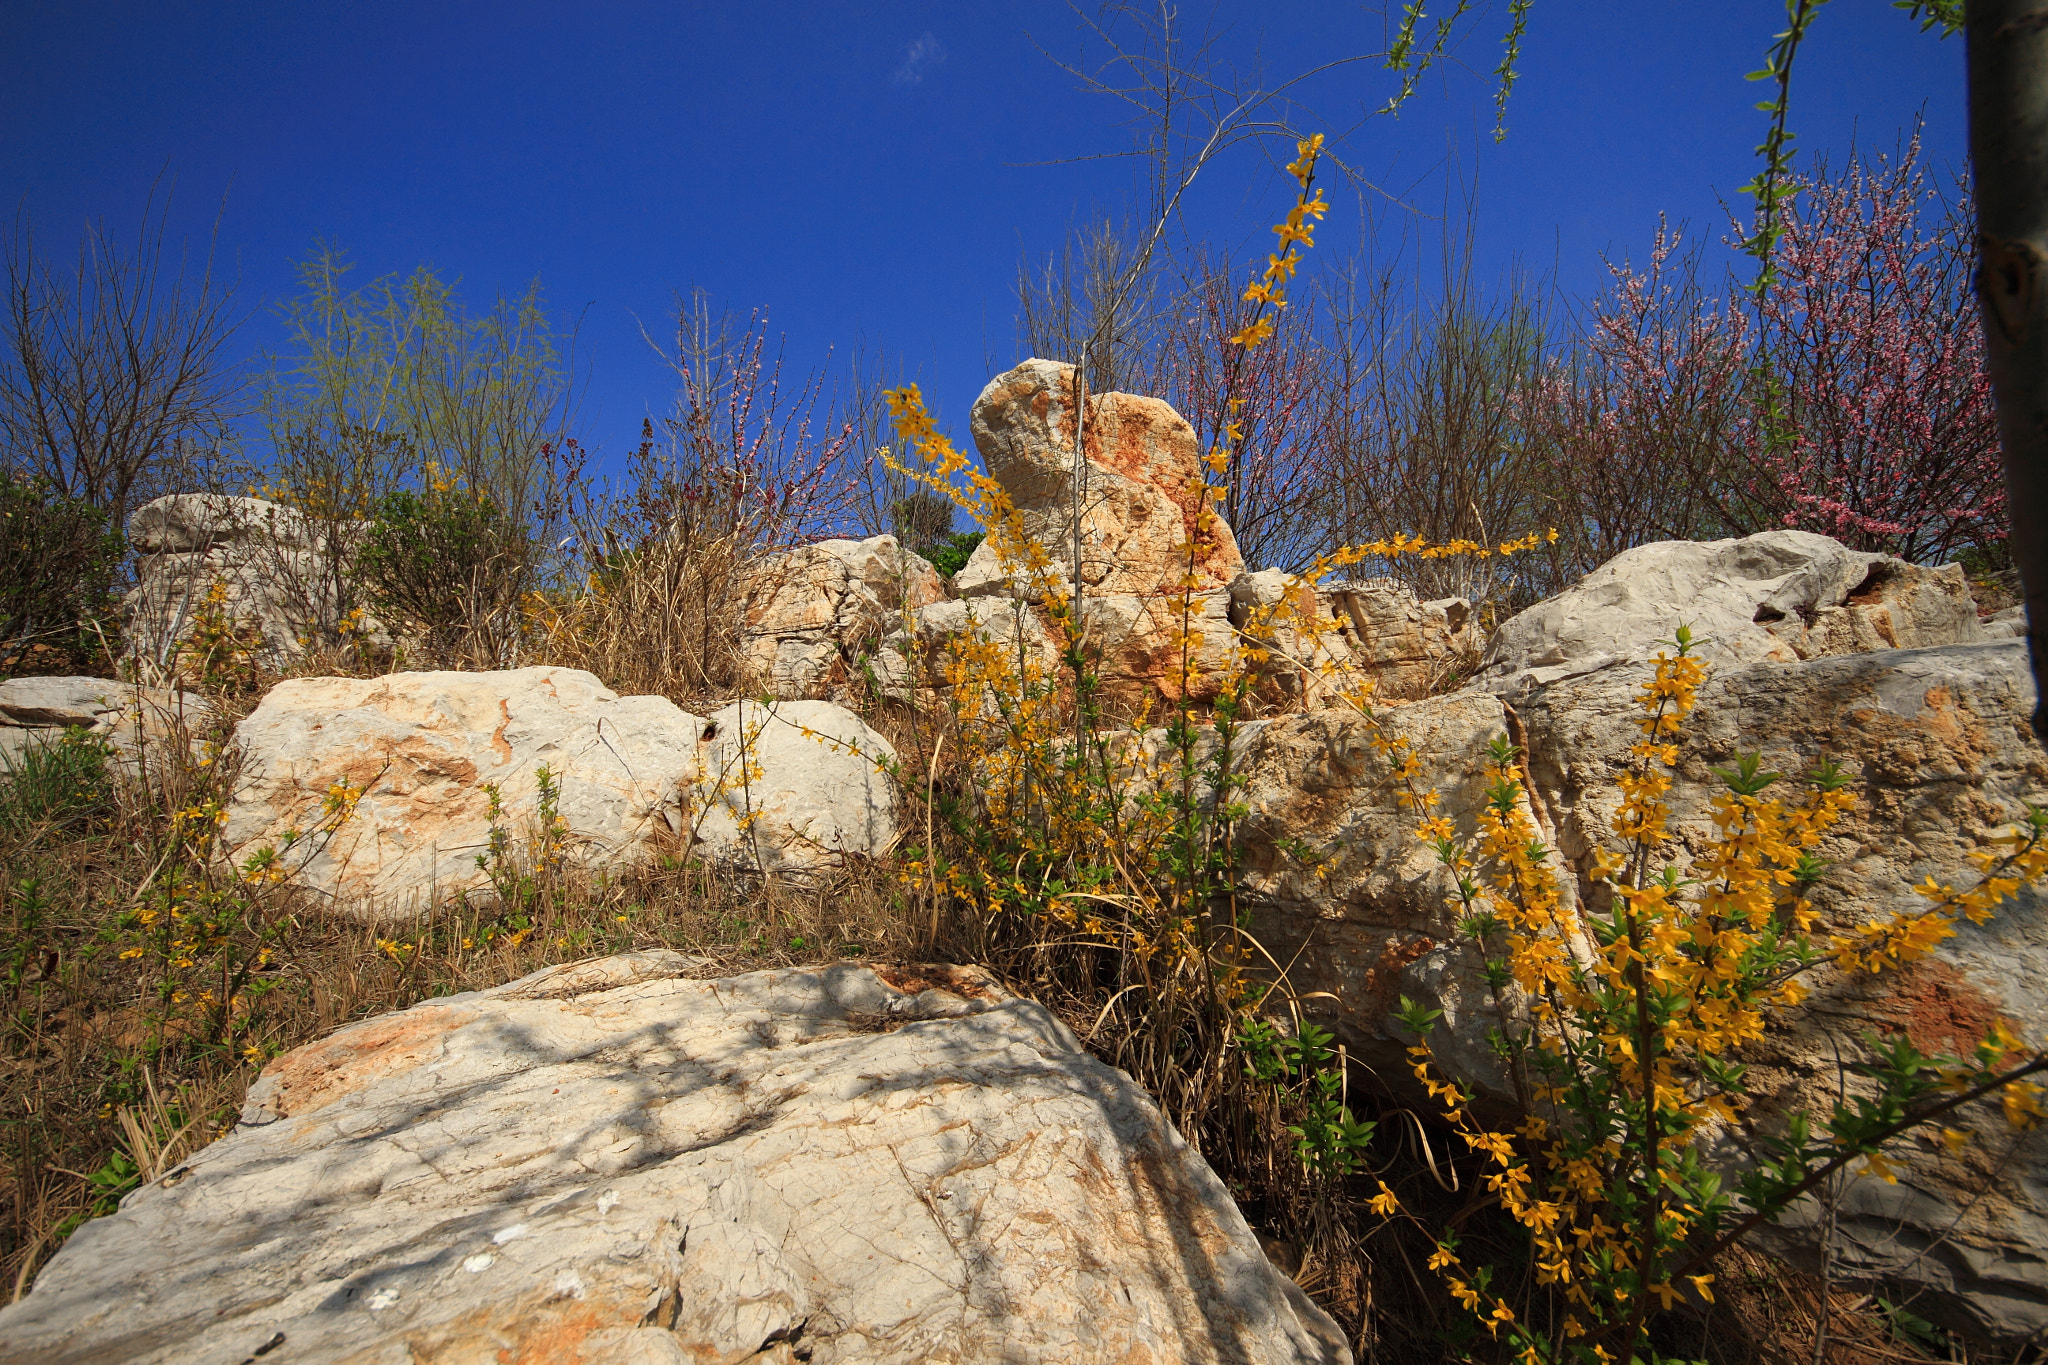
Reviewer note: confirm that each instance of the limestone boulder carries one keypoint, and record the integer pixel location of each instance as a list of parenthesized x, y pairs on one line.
[(1150, 648), (2009, 624), (793, 787), (274, 574), (192, 523), (810, 614), (611, 1162), (1341, 890), (1375, 629), (1137, 510), (129, 718), (1777, 596), (425, 750)]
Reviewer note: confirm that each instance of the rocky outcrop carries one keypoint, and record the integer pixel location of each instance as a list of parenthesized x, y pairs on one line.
[(809, 615), (1342, 890), (272, 573), (793, 787), (1939, 738), (1154, 648), (130, 719), (2009, 624), (426, 756), (1376, 629), (1779, 595), (1137, 511), (611, 1162)]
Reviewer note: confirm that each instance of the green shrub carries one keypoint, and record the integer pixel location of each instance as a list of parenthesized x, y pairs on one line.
[(949, 556), (449, 563), (65, 784), (57, 562)]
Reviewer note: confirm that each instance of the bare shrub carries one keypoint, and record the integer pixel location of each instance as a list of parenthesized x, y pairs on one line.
[(1096, 300), (1428, 427), (741, 468), (115, 380), (1280, 413), (659, 618)]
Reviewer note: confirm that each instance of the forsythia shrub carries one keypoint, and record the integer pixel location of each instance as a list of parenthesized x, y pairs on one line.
[(1100, 861), (203, 932), (1621, 1031)]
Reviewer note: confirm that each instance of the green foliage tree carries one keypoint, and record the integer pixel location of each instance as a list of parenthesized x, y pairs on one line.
[(387, 389), (378, 381)]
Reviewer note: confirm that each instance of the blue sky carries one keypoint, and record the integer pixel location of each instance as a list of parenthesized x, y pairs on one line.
[(862, 171)]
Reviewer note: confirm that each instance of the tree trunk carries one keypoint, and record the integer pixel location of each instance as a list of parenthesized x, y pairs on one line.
[(2008, 66)]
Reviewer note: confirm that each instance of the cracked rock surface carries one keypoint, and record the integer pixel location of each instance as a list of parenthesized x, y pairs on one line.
[(614, 1162)]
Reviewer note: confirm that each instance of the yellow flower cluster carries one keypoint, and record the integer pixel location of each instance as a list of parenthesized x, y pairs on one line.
[(203, 930), (1621, 1030), (1269, 291)]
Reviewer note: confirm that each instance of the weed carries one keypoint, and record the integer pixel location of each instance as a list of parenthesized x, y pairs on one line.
[(62, 786)]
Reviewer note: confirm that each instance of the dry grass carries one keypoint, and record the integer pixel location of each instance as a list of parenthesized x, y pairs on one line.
[(664, 620)]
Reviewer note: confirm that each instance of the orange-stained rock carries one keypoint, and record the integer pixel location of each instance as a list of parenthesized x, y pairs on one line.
[(1138, 507)]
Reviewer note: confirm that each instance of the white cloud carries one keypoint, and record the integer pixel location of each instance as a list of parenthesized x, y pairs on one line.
[(923, 53)]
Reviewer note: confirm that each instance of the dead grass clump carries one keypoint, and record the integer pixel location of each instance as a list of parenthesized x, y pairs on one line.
[(661, 618)]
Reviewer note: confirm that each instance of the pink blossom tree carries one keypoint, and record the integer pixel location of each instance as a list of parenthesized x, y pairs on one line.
[(1641, 424), (1869, 345), (1892, 440)]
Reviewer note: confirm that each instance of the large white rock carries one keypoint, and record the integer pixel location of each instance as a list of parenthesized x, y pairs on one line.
[(1778, 595), (810, 614), (1340, 888), (423, 749), (188, 523), (609, 1163), (794, 787)]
